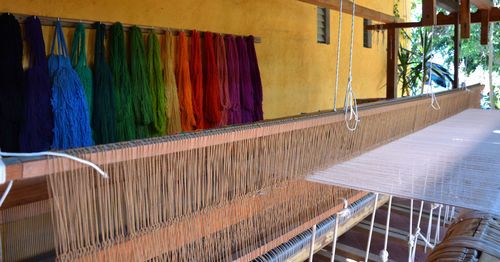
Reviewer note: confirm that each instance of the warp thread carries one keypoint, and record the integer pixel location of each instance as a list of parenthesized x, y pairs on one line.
[(80, 65), (211, 106), (233, 70), (71, 119), (246, 88), (184, 87), (172, 107), (143, 109), (36, 133), (103, 119), (222, 76), (12, 89), (196, 73), (122, 87), (156, 86), (256, 81)]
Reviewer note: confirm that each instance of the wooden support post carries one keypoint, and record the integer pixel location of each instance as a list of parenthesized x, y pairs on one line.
[(428, 12), (392, 62), (456, 61), (485, 18), (465, 20)]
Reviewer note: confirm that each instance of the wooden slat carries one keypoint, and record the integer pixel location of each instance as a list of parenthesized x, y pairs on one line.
[(392, 61), (485, 25), (456, 58), (449, 5), (465, 19), (482, 4), (428, 12), (360, 10)]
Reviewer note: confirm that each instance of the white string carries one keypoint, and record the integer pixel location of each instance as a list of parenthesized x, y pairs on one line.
[(313, 239), (346, 212), (83, 161), (410, 235), (438, 228), (338, 58), (429, 226), (434, 102), (350, 103), (414, 237), (371, 228), (6, 192), (384, 255)]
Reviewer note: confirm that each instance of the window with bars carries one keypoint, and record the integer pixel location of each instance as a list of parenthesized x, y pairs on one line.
[(323, 25)]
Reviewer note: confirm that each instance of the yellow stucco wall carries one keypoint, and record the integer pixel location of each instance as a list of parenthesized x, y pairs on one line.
[(298, 74)]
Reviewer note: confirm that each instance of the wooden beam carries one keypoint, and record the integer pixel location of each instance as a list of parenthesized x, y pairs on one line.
[(485, 25), (392, 63), (482, 4), (465, 18), (456, 59), (428, 12), (361, 11), (449, 5)]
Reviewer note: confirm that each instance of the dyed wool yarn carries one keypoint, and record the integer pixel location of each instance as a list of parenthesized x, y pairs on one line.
[(143, 109), (12, 94), (103, 119), (211, 106), (156, 86), (172, 107), (80, 65), (36, 133), (222, 76), (184, 88), (196, 73), (125, 120), (256, 81), (71, 119), (233, 71), (246, 88)]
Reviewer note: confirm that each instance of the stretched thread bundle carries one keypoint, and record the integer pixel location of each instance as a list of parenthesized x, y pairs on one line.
[(122, 87), (141, 97), (196, 73), (12, 89), (36, 133), (103, 119), (211, 106), (79, 62), (222, 76), (194, 197), (184, 87), (156, 85), (172, 107)]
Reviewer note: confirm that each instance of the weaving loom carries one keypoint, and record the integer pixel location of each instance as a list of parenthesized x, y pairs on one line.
[(225, 194)]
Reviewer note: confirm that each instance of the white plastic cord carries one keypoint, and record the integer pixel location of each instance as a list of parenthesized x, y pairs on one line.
[(3, 172), (83, 161), (434, 102), (429, 225), (6, 192), (338, 58), (384, 255), (313, 239), (446, 214), (371, 228), (350, 103), (417, 232), (437, 236), (343, 213)]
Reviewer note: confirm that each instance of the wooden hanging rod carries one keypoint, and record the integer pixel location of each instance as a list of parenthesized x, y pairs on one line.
[(361, 11), (67, 22)]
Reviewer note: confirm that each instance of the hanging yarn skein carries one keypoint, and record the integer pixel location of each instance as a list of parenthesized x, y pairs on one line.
[(246, 87), (36, 133), (211, 107), (256, 81), (143, 109), (172, 107), (184, 88), (196, 73), (103, 119), (222, 76), (71, 119), (156, 86), (80, 65), (233, 71), (12, 89), (122, 88)]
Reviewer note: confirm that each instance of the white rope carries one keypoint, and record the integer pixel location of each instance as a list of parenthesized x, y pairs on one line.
[(414, 237), (446, 214), (384, 255), (83, 161), (346, 212), (434, 102), (6, 192), (313, 239), (438, 228), (410, 235), (371, 228), (429, 225), (350, 103), (338, 58)]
